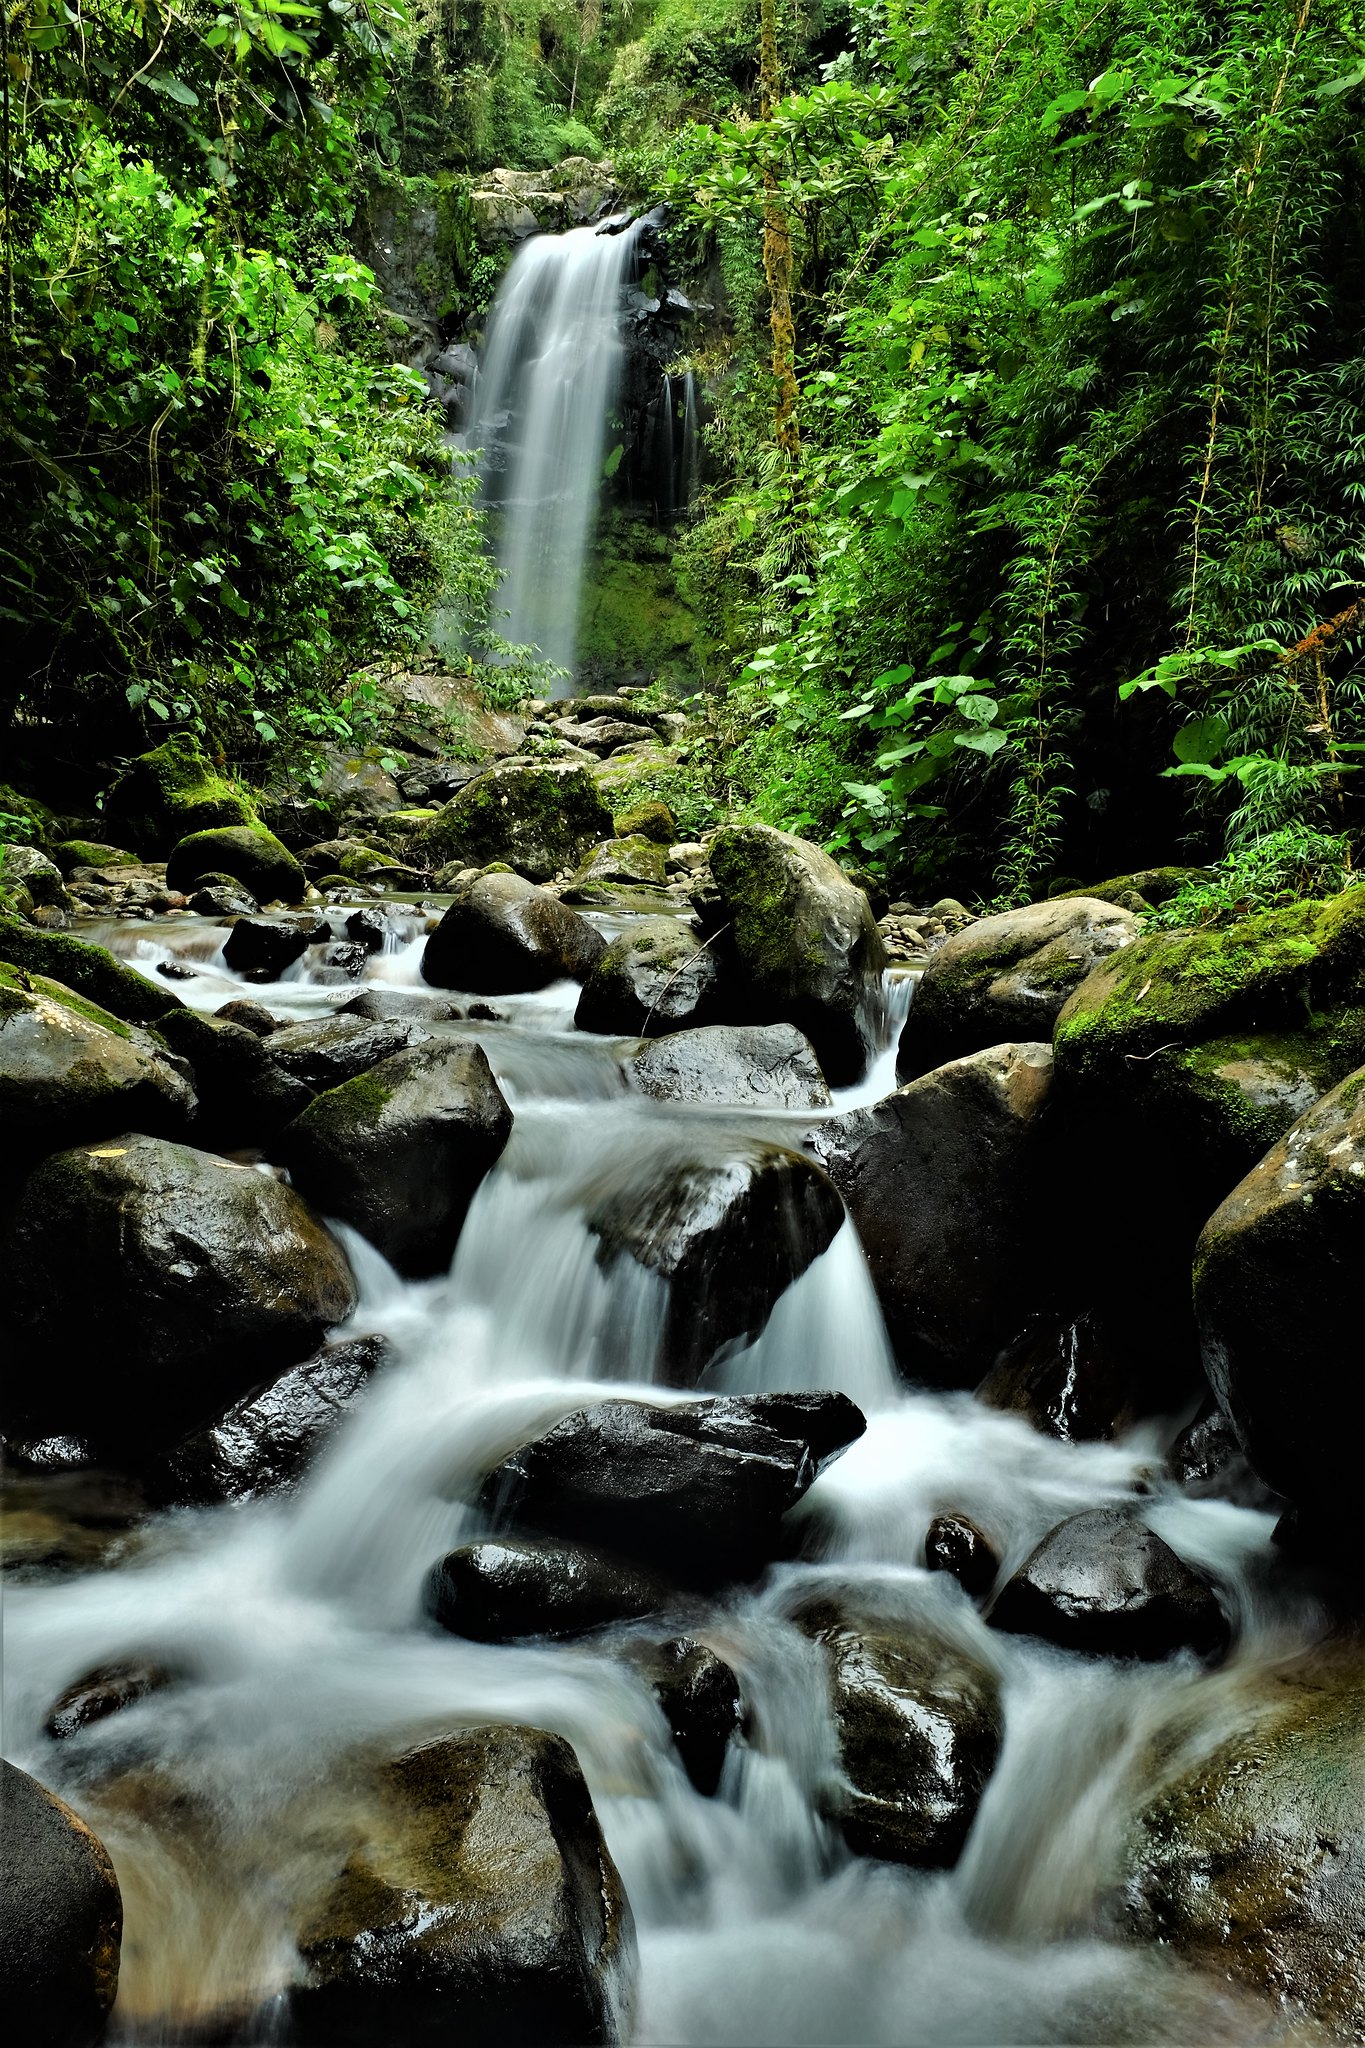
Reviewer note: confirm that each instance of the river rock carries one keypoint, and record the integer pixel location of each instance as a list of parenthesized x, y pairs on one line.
[(950, 1182), (251, 1015), (474, 1901), (1007, 977), (920, 1725), (695, 1491), (69, 1070), (244, 1098), (1249, 1860), (1068, 1377), (771, 1066), (508, 1589), (61, 1919), (399, 1152), (408, 1003), (955, 1545), (98, 1694), (324, 1052), (701, 1702), (1104, 1582), (618, 863), (539, 817), (221, 900), (197, 1275), (71, 854), (1208, 1463), (728, 1235), (250, 854), (1277, 1287), (174, 790), (40, 878), (89, 971), (262, 947), (654, 978), (266, 1441), (350, 858), (502, 935), (803, 940), (649, 819)]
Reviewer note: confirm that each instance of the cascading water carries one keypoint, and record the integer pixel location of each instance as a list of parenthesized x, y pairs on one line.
[(676, 448), (546, 386), (293, 1628)]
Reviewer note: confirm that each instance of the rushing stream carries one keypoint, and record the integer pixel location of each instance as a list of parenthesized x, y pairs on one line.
[(297, 1622)]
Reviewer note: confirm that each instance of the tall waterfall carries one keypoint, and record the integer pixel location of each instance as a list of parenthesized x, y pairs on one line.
[(550, 376)]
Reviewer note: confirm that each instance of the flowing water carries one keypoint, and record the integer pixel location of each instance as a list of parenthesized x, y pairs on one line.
[(547, 384), (296, 1626)]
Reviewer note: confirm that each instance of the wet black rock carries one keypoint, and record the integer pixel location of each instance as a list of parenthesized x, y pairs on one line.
[(266, 1441), (323, 1052), (701, 1702), (920, 1726), (1105, 1583), (343, 960), (507, 1589), (696, 1491), (399, 1152), (90, 971), (368, 928), (728, 1236), (402, 1002), (61, 1920), (1067, 1378), (98, 1694), (803, 942), (654, 978), (955, 1545), (502, 935), (768, 1066), (244, 1098), (952, 1183), (262, 947), (475, 1902), (1208, 1463), (69, 1070), (196, 1276), (223, 899)]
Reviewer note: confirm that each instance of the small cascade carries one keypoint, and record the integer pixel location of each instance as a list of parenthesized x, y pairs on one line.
[(548, 382), (675, 447)]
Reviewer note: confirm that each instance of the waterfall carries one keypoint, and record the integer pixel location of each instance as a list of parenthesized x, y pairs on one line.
[(549, 379), (675, 448)]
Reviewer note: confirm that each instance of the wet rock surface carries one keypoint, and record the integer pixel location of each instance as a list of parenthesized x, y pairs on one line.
[(98, 1694), (61, 1919), (324, 1052), (69, 1071), (89, 971), (477, 1902), (1103, 1582), (1070, 1379), (955, 1545), (767, 1066), (727, 1236), (196, 1275), (261, 948), (508, 1589), (249, 854), (695, 1491), (244, 1098), (701, 1702), (803, 941), (920, 1725), (502, 935), (652, 979), (400, 1151)]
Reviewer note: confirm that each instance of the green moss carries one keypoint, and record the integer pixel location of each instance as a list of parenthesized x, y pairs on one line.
[(16, 983), (172, 792), (91, 853), (637, 622), (88, 971), (1157, 885), (538, 820), (248, 854), (648, 820), (357, 1104)]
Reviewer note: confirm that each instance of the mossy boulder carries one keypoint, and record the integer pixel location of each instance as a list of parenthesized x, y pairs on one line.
[(1007, 977), (91, 853), (27, 874), (88, 971), (69, 1070), (616, 863), (648, 820), (539, 817), (349, 857), (655, 977), (802, 941), (399, 1152), (143, 1284), (1155, 885), (1248, 1857), (61, 1919), (502, 935), (1277, 1293), (164, 796), (248, 853), (474, 1900)]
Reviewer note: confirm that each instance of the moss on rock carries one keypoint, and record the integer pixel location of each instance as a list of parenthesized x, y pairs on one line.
[(171, 792), (88, 970), (538, 817), (245, 853), (648, 820)]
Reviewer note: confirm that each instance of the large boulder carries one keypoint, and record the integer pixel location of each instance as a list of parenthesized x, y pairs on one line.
[(920, 1724), (400, 1151), (323, 1052), (1248, 1860), (803, 940), (88, 971), (261, 948), (1068, 1375), (768, 1066), (69, 1070), (143, 1283), (655, 977), (507, 1589), (243, 1097), (23, 868), (474, 1900), (727, 1235), (250, 854), (175, 790), (1007, 977), (539, 817), (266, 1441), (1103, 1582), (502, 935), (61, 1919), (1277, 1293), (695, 1491), (635, 862), (951, 1182)]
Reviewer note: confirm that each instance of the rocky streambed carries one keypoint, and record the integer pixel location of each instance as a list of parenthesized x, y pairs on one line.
[(589, 1470)]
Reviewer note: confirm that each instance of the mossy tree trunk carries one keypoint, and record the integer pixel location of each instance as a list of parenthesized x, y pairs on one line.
[(777, 254)]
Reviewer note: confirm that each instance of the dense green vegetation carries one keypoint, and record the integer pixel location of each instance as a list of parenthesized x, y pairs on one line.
[(1058, 570)]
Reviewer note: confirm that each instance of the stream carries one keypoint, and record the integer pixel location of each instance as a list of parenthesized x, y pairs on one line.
[(297, 1625)]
